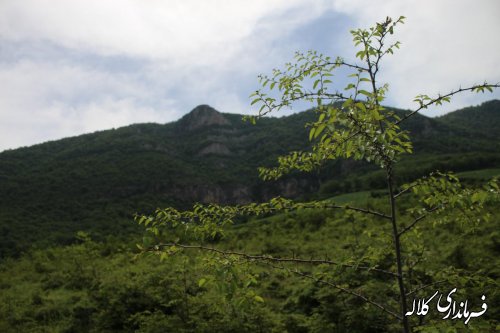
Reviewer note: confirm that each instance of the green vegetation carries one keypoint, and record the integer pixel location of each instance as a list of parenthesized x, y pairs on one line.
[(96, 182), (350, 124), (98, 287), (475, 175), (69, 261)]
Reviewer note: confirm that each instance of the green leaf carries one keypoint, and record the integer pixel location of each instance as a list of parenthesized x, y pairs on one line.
[(311, 133), (366, 93), (259, 299), (361, 55), (319, 130), (350, 86)]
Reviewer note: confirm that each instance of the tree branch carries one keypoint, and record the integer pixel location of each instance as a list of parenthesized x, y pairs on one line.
[(343, 63), (424, 286), (270, 106), (269, 258), (444, 97), (405, 190), (356, 209), (345, 290), (421, 217)]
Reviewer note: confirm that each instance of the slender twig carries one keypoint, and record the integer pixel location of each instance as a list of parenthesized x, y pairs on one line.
[(424, 286), (342, 63), (345, 290), (347, 207), (269, 258), (453, 92), (397, 250), (405, 190), (324, 205), (322, 95), (320, 66), (270, 107), (421, 217)]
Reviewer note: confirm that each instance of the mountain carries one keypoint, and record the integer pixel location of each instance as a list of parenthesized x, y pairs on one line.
[(96, 182), (476, 120)]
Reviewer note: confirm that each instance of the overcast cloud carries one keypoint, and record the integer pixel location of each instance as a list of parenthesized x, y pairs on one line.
[(72, 67)]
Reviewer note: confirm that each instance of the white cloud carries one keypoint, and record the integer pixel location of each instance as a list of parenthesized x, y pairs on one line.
[(45, 102), (188, 51), (62, 58), (101, 115), (229, 102), (178, 31), (58, 120), (445, 44)]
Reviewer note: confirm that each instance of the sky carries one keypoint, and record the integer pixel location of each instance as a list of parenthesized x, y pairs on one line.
[(74, 67)]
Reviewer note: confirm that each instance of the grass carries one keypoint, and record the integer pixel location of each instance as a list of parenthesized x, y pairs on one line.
[(484, 174), (358, 197)]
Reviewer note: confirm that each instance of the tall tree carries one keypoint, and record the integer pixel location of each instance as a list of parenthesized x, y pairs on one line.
[(351, 123)]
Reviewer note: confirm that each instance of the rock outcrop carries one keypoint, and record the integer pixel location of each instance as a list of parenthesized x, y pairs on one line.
[(203, 116)]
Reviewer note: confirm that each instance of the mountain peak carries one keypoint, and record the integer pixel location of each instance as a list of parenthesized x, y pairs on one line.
[(203, 108), (203, 116)]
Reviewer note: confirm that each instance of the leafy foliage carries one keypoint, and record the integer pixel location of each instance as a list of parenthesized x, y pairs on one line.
[(96, 182), (350, 124), (96, 287), (311, 264)]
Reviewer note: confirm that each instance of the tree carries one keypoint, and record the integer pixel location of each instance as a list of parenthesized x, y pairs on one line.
[(351, 123)]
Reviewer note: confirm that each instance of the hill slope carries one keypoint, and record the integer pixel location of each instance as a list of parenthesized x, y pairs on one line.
[(97, 181)]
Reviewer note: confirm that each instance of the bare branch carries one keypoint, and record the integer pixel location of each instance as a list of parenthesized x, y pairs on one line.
[(424, 286), (343, 63), (337, 62), (345, 290), (405, 190), (444, 97), (356, 209), (421, 217), (270, 107), (270, 258)]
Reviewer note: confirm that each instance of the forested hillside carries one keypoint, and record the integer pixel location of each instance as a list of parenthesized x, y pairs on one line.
[(96, 182), (65, 280)]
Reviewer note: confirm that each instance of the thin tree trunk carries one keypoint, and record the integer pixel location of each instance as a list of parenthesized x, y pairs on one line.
[(397, 249)]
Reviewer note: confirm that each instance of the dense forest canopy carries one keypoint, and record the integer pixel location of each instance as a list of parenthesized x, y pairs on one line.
[(96, 182)]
